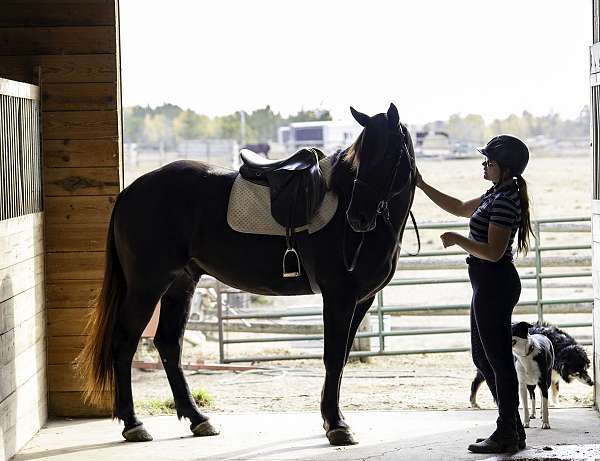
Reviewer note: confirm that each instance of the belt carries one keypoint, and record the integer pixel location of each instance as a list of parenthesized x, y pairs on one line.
[(475, 260)]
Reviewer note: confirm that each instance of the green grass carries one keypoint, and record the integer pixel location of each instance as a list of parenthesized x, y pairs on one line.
[(166, 407)]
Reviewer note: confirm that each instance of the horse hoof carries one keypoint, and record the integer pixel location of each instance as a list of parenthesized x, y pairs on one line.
[(137, 434), (205, 429), (341, 436), (545, 426)]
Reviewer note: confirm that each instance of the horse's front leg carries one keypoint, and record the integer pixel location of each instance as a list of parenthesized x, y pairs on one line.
[(338, 311)]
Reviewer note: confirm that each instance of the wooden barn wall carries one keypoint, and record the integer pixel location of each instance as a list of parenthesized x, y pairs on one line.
[(73, 47), (23, 399)]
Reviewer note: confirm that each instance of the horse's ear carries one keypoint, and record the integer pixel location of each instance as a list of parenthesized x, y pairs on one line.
[(393, 117), (361, 118)]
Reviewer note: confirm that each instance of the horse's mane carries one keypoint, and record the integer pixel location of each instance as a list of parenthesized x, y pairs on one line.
[(352, 153)]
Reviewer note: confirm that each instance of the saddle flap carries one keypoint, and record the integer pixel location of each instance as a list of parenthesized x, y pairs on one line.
[(296, 196)]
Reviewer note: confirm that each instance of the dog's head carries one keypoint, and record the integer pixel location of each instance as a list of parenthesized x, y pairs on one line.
[(520, 335), (573, 363)]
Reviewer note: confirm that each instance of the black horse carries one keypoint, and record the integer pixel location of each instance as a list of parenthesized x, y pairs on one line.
[(169, 228)]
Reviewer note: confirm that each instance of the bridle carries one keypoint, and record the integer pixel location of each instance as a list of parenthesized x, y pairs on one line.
[(383, 209)]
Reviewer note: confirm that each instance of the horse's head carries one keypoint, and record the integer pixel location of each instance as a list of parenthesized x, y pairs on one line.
[(383, 163)]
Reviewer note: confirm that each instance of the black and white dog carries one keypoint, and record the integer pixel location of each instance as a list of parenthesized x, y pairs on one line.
[(534, 358), (570, 362), (570, 359)]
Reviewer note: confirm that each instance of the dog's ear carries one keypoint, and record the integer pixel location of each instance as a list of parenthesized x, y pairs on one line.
[(521, 329)]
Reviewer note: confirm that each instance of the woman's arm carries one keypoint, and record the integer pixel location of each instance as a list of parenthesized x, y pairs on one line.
[(493, 250), (450, 204)]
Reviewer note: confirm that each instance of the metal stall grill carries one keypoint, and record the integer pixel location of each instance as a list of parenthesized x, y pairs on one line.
[(20, 159)]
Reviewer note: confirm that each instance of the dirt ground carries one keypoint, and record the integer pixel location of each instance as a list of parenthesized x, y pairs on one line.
[(426, 381), (560, 186)]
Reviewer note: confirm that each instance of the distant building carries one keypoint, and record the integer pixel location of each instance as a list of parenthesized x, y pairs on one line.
[(326, 135)]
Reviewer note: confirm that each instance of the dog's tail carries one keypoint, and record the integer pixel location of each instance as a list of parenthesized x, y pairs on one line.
[(479, 378)]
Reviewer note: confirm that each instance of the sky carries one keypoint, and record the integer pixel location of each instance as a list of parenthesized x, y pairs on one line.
[(432, 58)]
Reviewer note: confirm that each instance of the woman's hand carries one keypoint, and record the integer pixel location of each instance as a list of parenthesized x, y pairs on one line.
[(418, 179), (449, 239)]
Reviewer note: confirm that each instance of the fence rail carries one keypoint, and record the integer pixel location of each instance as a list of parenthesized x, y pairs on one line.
[(228, 321)]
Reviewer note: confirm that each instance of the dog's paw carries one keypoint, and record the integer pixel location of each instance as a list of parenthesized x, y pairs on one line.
[(545, 425)]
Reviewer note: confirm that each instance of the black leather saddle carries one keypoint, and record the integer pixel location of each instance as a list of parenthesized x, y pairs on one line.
[(297, 187)]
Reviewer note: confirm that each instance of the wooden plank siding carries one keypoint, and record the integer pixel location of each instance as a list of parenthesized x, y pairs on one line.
[(23, 406), (70, 48), (85, 68)]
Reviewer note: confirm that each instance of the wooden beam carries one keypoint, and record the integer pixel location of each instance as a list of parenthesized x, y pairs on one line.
[(78, 209), (17, 41), (80, 125), (79, 96), (76, 237), (80, 181), (75, 266), (23, 413), (60, 69), (17, 372), (72, 293), (32, 14), (59, 153), (71, 404), (63, 378), (21, 246), (18, 340), (67, 322), (21, 277), (64, 349), (21, 307)]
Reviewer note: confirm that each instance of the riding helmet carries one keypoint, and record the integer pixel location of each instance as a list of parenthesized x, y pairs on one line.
[(508, 151)]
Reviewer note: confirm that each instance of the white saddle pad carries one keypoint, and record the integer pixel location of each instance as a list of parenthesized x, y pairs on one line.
[(249, 209)]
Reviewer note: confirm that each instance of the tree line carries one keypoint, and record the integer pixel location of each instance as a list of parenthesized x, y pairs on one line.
[(168, 124), (473, 128)]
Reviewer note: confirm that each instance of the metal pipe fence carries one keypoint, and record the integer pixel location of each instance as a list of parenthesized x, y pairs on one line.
[(226, 316)]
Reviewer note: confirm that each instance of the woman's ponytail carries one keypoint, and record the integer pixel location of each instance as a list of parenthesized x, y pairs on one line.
[(525, 226)]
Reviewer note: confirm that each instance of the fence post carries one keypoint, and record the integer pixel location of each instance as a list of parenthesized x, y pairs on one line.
[(380, 319), (538, 271), (220, 320)]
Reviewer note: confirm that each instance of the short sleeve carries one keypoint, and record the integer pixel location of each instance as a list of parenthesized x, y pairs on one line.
[(503, 212)]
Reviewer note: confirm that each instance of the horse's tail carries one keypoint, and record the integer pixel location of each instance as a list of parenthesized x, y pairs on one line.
[(95, 362)]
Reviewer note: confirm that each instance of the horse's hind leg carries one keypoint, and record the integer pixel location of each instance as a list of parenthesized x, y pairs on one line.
[(174, 312), (135, 314)]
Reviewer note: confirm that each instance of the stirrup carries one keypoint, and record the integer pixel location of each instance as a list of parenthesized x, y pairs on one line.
[(296, 273)]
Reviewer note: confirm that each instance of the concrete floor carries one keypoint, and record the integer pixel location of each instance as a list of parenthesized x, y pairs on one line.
[(393, 435)]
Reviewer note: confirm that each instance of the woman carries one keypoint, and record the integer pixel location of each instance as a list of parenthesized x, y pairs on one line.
[(495, 219)]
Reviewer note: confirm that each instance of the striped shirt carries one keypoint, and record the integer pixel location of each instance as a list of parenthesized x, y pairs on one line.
[(502, 207)]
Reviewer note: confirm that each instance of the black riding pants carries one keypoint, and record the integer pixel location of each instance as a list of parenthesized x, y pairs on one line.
[(496, 290)]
